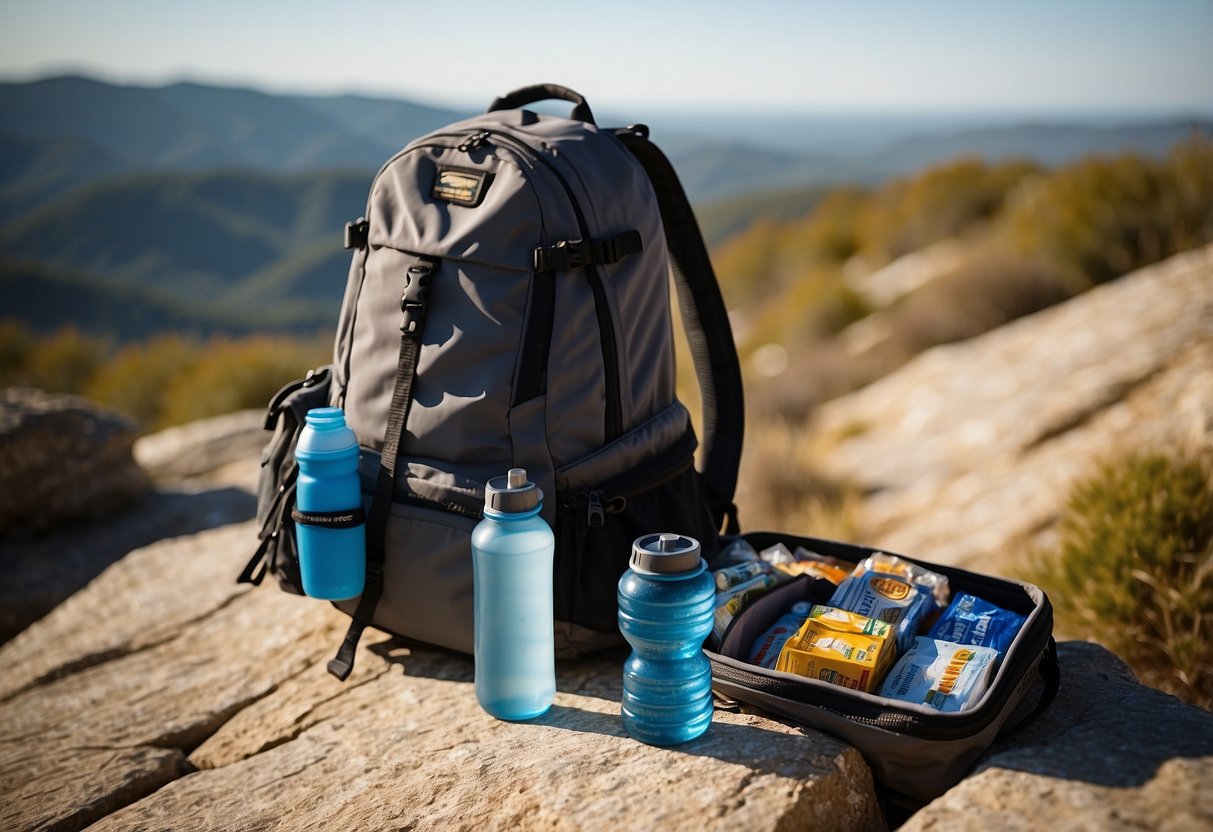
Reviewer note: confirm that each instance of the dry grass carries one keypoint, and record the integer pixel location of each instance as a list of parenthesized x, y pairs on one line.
[(782, 489)]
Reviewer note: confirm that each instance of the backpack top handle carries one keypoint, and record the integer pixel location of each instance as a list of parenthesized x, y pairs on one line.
[(542, 92)]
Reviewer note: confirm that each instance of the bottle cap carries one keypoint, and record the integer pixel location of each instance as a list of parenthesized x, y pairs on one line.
[(325, 433), (326, 418), (512, 493), (664, 554)]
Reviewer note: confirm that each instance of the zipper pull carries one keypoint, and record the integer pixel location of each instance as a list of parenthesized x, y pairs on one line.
[(595, 514), (473, 141)]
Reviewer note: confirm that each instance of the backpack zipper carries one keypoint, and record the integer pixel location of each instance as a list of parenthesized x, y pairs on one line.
[(613, 423), (473, 141), (469, 142)]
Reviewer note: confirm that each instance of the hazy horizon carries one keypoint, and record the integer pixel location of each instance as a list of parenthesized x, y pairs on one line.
[(942, 58), (736, 113)]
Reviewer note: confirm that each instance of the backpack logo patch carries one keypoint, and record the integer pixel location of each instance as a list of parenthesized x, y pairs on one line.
[(462, 187)]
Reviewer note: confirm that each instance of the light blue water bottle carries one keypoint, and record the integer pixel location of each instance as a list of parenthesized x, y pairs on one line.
[(329, 520), (666, 603), (512, 550)]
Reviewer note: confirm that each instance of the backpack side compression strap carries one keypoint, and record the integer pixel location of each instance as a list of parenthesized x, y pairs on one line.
[(707, 328), (413, 305)]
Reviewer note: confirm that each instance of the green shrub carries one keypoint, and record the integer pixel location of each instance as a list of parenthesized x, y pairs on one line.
[(64, 362), (1106, 217), (944, 201), (16, 347), (136, 379), (1133, 568), (832, 231), (166, 380), (235, 375)]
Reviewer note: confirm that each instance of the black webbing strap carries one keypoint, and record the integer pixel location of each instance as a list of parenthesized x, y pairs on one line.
[(707, 328), (413, 305), (254, 571), (356, 233), (533, 366), (573, 254)]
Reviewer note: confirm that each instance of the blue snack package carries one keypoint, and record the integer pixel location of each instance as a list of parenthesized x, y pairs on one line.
[(765, 649), (972, 620)]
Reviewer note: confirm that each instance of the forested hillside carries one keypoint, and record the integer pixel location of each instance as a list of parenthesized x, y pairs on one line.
[(132, 214)]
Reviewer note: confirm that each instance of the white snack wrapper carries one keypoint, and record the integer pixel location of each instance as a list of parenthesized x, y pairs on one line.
[(948, 677)]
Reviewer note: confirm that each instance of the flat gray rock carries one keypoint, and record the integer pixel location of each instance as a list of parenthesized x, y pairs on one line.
[(197, 448)]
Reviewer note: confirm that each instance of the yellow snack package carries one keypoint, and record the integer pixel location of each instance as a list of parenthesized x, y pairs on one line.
[(840, 647)]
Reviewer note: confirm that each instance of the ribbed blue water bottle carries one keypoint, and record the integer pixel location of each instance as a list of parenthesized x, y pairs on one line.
[(512, 551), (329, 521), (666, 602)]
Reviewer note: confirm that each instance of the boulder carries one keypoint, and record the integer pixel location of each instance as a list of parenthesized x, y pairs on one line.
[(43, 570), (62, 459), (201, 447), (202, 704)]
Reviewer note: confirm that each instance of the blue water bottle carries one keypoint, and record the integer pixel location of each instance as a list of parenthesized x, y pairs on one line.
[(512, 551), (329, 520), (666, 602)]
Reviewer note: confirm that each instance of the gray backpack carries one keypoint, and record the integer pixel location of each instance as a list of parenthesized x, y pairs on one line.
[(508, 306)]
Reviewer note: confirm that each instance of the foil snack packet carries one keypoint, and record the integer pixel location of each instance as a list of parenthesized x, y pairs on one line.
[(972, 620)]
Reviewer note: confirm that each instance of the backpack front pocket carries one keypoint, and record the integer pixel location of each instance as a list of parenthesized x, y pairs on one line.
[(427, 576), (597, 523)]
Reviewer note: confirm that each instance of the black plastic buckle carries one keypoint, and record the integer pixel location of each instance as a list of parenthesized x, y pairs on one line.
[(562, 256), (412, 302), (573, 253), (356, 233)]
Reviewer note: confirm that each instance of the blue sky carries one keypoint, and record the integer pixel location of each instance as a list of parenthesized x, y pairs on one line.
[(774, 55)]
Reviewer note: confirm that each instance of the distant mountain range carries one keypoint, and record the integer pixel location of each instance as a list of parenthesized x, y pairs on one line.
[(60, 133), (220, 199)]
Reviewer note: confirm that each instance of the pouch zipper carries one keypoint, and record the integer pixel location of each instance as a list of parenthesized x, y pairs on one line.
[(598, 504)]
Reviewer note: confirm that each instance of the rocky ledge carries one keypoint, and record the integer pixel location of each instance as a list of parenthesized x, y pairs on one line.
[(164, 696)]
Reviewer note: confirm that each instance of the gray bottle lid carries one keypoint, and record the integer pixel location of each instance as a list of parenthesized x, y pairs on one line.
[(664, 554), (512, 493)]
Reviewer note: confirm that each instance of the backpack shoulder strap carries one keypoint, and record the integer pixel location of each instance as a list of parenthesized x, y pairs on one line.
[(707, 328)]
